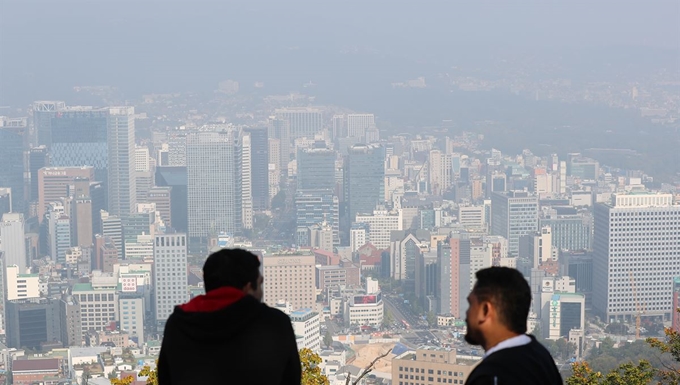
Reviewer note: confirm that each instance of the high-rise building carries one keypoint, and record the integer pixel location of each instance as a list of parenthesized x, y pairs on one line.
[(316, 169), (177, 149), (381, 223), (405, 251), (162, 198), (59, 232), (43, 113), (79, 138), (38, 158), (365, 179), (12, 240), (20, 285), (259, 166), (12, 161), (453, 258), (305, 122), (357, 124), (132, 311), (112, 227), (5, 200), (143, 173), (177, 179), (289, 278), (513, 214), (440, 171), (495, 182), (279, 130), (339, 126), (122, 185), (82, 214), (569, 231), (245, 161), (635, 255), (71, 328), (214, 189), (170, 274), (54, 182), (307, 327), (313, 207)]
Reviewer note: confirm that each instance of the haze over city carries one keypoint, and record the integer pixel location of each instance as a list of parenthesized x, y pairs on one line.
[(373, 155)]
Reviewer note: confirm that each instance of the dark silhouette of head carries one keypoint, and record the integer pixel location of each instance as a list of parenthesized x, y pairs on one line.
[(499, 302), (235, 268)]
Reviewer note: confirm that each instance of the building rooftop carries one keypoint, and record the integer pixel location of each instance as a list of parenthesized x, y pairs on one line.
[(35, 365)]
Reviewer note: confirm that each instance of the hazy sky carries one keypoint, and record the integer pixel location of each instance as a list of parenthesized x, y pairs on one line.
[(49, 45)]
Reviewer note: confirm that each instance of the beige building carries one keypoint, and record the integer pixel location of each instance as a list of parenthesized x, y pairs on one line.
[(430, 366), (21, 286), (290, 278), (53, 183)]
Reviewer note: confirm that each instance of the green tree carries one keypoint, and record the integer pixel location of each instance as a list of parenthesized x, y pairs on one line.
[(669, 373), (328, 339), (387, 319), (432, 319), (311, 372), (625, 374)]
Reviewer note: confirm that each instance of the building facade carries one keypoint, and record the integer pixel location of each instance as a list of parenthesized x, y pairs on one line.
[(170, 274), (290, 278)]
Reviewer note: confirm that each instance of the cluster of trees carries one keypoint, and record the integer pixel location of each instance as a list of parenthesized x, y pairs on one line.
[(645, 362)]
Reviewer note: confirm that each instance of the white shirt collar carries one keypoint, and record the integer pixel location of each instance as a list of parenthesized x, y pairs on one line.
[(519, 340)]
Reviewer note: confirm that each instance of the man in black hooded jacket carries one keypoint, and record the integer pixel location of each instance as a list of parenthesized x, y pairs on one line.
[(228, 336)]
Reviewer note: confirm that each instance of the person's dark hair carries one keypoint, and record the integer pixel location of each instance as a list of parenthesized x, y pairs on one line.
[(231, 267), (509, 292)]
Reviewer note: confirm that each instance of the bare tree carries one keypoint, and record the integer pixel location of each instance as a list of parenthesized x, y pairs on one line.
[(367, 369)]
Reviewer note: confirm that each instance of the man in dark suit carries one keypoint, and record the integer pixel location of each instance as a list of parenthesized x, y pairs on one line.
[(228, 336), (497, 320)]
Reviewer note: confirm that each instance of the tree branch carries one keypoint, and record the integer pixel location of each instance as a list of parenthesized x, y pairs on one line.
[(367, 370)]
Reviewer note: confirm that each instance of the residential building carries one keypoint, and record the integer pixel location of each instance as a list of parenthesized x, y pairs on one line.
[(635, 256)]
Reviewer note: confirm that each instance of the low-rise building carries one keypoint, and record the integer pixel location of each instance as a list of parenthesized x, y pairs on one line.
[(429, 366), (307, 327), (365, 310)]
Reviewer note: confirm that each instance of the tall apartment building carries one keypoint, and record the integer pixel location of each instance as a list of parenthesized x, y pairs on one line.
[(513, 214), (54, 182), (12, 240), (122, 184), (214, 189), (357, 124), (170, 274), (430, 366), (304, 121), (635, 254), (289, 278)]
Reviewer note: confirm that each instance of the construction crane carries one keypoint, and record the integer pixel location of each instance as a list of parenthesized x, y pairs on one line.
[(638, 307)]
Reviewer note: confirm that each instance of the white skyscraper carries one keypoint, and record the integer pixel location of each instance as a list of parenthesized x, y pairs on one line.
[(12, 240), (121, 144), (635, 254), (246, 182), (304, 122), (214, 188), (170, 274), (380, 224), (357, 124)]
